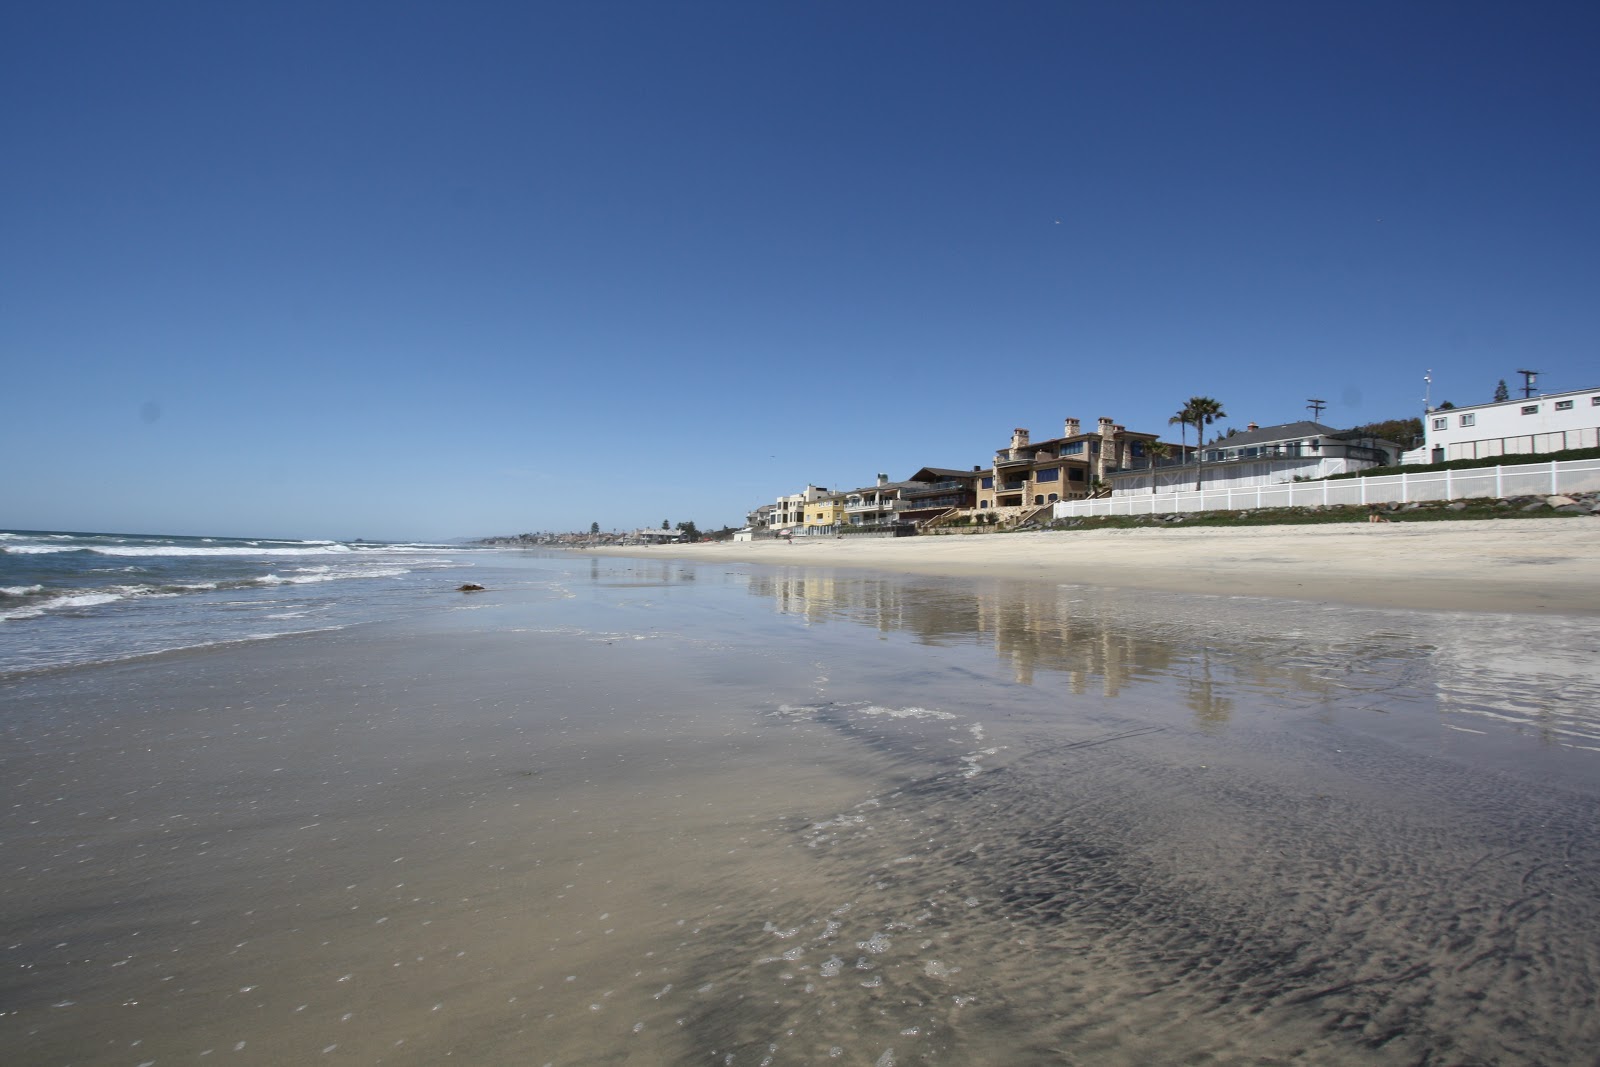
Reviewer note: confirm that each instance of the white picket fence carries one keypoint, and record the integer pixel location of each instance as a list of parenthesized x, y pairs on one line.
[(1524, 479)]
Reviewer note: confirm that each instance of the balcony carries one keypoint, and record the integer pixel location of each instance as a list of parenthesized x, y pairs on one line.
[(1013, 486), (1015, 457), (858, 507), (930, 489)]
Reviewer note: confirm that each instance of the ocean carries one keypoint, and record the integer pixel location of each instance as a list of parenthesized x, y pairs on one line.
[(71, 599)]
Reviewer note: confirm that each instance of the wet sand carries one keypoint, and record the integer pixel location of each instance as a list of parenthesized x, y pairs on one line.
[(616, 811), (1550, 565)]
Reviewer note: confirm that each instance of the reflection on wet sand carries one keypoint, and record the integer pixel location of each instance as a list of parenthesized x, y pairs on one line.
[(1391, 859), (1515, 672)]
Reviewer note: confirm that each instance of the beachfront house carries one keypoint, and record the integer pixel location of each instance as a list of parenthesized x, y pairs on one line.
[(1261, 455), (934, 491), (1029, 474), (1552, 422), (878, 504), (648, 536), (824, 514), (789, 512)]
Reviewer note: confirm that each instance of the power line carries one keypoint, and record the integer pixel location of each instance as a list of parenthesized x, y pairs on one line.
[(1315, 407)]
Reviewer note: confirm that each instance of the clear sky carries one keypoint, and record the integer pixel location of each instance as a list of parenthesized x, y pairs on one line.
[(452, 269)]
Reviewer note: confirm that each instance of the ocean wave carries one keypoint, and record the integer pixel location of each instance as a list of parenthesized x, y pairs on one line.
[(35, 608), (33, 601), (200, 551), (308, 575)]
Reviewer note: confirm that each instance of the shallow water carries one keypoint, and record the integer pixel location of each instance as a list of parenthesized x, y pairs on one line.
[(623, 811)]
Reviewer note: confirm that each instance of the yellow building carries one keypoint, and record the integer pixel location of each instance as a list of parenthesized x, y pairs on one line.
[(824, 513)]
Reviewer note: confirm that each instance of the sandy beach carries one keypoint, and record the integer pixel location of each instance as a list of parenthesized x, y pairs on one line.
[(1550, 565), (652, 811)]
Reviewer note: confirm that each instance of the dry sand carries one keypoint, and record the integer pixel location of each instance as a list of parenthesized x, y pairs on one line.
[(1546, 566)]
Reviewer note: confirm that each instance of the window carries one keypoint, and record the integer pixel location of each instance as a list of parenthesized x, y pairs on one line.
[(1530, 409), (1049, 474), (988, 483), (1563, 405), (1053, 498), (1594, 401), (983, 503), (1439, 424), (1468, 420), (1077, 446), (1038, 500)]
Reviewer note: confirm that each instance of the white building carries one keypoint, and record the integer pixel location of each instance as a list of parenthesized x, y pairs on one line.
[(790, 511), (1261, 455), (1553, 422)]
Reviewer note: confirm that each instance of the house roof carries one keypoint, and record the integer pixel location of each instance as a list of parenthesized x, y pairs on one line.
[(1292, 431), (942, 474), (1288, 431), (885, 485), (1087, 435)]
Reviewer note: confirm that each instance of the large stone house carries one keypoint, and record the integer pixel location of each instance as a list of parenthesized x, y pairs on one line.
[(1075, 465)]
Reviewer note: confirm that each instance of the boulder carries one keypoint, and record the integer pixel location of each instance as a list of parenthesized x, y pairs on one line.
[(469, 587), (1559, 501)]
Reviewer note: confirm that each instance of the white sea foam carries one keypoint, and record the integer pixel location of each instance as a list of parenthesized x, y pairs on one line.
[(330, 574), (905, 713), (34, 609), (239, 551)]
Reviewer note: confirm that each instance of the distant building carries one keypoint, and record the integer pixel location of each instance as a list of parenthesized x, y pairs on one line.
[(789, 512), (877, 504), (824, 514), (1553, 422), (932, 491), (1069, 467), (1261, 455)]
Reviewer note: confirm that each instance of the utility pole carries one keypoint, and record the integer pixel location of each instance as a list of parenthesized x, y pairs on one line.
[(1316, 407), (1427, 391), (1530, 378)]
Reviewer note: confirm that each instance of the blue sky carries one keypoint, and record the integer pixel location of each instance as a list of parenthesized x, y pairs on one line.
[(436, 270)]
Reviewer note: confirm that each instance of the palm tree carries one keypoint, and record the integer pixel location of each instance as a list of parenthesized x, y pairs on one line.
[(1182, 419), (1202, 411), (1156, 450)]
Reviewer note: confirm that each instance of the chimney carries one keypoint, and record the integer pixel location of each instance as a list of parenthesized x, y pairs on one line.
[(1019, 438), (976, 468), (1073, 428), (883, 479), (1105, 427), (1251, 428)]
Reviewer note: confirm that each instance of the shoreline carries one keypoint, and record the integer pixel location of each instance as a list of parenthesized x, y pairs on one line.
[(1546, 567)]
